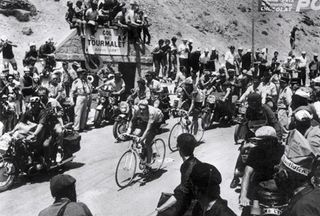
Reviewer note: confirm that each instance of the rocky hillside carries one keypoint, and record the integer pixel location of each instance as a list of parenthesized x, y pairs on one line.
[(209, 23)]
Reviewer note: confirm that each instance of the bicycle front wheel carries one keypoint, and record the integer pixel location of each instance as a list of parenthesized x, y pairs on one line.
[(158, 154), (197, 130), (126, 169), (175, 131)]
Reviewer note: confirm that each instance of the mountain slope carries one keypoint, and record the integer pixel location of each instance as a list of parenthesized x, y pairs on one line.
[(209, 23)]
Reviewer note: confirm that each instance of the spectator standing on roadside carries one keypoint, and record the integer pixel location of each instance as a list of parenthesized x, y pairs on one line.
[(230, 58), (63, 190), (145, 30), (173, 62), (131, 22), (166, 49), (7, 53), (238, 60), (214, 58), (247, 60), (183, 51), (157, 54), (314, 67), (204, 60), (91, 17), (303, 68)]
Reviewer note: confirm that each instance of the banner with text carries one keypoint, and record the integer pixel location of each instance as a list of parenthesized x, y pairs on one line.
[(107, 42), (288, 5)]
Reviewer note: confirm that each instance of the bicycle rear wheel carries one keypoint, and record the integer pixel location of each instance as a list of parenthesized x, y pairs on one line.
[(176, 130), (199, 132), (158, 154), (126, 168)]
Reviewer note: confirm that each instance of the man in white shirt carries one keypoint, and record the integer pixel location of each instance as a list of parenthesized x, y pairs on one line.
[(183, 51), (204, 59), (131, 22), (302, 67), (230, 58), (254, 88)]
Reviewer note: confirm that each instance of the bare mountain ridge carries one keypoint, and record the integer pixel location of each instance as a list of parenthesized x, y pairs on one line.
[(210, 23)]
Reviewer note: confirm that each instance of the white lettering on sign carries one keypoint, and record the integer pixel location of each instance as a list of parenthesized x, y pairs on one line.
[(288, 5)]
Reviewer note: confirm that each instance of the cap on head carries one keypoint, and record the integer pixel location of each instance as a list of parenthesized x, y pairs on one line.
[(266, 131), (26, 69), (303, 113), (32, 44), (213, 49), (303, 92), (80, 70), (206, 50), (303, 52), (141, 81), (60, 183), (143, 103), (190, 41), (133, 2), (240, 48), (188, 81), (315, 54)]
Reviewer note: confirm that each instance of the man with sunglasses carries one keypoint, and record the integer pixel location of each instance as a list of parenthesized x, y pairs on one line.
[(144, 123), (49, 131)]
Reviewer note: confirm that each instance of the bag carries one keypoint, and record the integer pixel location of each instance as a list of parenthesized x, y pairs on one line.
[(71, 142)]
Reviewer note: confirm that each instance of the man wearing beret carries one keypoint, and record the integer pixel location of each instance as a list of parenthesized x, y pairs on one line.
[(64, 192), (206, 180)]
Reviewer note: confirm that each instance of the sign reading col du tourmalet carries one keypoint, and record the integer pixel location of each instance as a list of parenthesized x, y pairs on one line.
[(107, 42), (288, 5)]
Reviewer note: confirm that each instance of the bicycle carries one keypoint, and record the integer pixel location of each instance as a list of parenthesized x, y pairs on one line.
[(127, 166), (184, 125)]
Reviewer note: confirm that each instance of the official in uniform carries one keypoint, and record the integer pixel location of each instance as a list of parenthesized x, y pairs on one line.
[(80, 95)]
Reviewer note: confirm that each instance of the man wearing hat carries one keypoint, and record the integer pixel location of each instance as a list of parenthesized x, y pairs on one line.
[(56, 89), (31, 54), (183, 51), (302, 122), (63, 190), (80, 95), (214, 58), (293, 177), (206, 180), (265, 153), (302, 68), (153, 84), (173, 63), (117, 85), (284, 102), (314, 67), (230, 58), (204, 59), (26, 84)]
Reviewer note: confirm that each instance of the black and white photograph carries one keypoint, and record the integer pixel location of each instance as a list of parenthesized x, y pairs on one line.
[(159, 108)]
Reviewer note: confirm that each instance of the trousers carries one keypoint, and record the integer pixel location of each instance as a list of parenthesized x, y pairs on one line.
[(81, 112)]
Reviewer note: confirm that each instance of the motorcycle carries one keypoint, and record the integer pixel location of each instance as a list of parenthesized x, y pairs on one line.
[(243, 133), (23, 157), (121, 123), (105, 110), (269, 202)]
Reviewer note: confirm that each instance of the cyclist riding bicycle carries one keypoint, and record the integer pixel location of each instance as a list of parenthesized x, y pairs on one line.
[(144, 124), (192, 100)]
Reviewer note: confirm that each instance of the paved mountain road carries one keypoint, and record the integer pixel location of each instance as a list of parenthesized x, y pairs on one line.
[(94, 169)]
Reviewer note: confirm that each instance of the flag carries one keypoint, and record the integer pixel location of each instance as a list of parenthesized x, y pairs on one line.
[(288, 5)]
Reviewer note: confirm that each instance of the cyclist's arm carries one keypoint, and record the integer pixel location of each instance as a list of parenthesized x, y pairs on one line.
[(129, 130), (144, 135), (191, 107)]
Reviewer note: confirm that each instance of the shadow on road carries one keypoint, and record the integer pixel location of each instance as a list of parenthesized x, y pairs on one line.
[(44, 176), (145, 178), (152, 176)]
